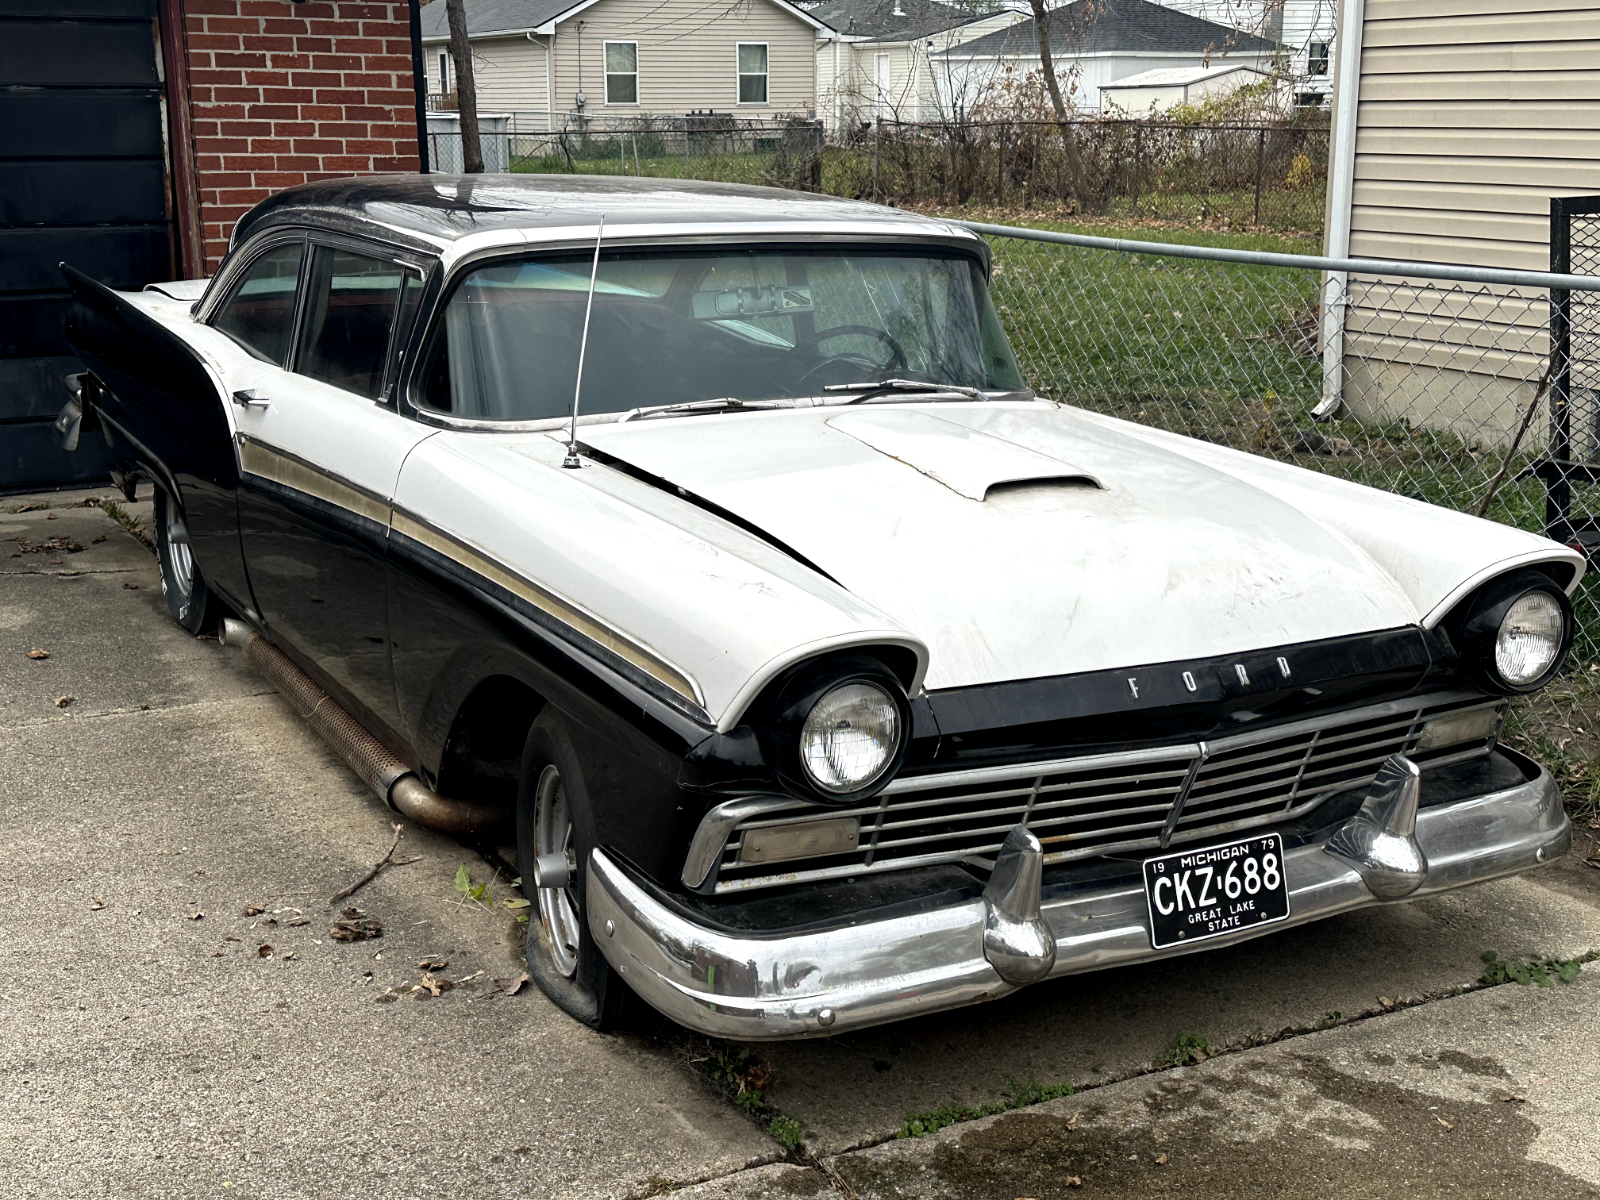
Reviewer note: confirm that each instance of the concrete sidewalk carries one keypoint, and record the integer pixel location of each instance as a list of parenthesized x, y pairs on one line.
[(146, 1050)]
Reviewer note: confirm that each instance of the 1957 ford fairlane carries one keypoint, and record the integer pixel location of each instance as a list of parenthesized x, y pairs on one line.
[(711, 536)]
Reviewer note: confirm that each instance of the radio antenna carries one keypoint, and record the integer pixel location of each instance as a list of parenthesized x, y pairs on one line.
[(571, 459)]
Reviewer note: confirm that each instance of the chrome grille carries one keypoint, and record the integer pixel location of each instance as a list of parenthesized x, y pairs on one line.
[(1111, 803)]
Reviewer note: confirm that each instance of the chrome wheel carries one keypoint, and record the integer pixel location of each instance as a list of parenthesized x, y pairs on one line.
[(182, 567), (558, 907)]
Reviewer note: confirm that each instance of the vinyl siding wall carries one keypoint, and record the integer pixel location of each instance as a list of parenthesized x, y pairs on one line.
[(1472, 114), (687, 60), (509, 72), (688, 56)]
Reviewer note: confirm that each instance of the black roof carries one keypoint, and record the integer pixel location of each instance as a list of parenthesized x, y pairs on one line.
[(893, 20), (444, 208), (493, 16), (1091, 26)]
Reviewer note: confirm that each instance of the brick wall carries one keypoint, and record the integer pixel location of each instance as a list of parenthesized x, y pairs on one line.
[(283, 93)]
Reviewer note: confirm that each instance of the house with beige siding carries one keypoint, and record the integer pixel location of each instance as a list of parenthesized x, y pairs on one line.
[(631, 58), (1455, 123)]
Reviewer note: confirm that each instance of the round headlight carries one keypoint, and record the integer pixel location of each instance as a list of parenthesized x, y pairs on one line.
[(1530, 638), (850, 737)]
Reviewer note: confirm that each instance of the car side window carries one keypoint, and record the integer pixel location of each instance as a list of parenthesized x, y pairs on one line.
[(350, 310), (260, 313)]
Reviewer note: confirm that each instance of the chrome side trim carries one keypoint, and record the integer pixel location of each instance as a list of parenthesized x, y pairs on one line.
[(756, 987), (552, 603)]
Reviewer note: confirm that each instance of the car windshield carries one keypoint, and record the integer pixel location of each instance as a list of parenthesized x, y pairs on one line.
[(681, 327)]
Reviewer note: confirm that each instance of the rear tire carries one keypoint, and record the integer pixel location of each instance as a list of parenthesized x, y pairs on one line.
[(188, 599), (553, 815)]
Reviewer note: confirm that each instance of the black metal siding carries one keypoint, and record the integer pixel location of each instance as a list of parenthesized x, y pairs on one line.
[(83, 179)]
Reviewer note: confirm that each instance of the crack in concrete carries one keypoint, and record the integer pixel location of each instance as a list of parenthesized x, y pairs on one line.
[(132, 710), (76, 574)]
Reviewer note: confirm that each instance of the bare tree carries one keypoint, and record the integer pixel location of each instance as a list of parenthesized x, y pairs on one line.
[(466, 89)]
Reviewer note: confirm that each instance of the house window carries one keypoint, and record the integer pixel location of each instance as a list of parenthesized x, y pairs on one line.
[(752, 72), (622, 72), (1318, 60), (444, 72)]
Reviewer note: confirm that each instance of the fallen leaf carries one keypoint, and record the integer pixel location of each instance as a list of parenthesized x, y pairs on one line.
[(132, 587), (231, 938), (1446, 1124), (354, 925), (1161, 1160), (196, 915), (301, 921), (1073, 1181), (516, 902), (98, 540), (435, 984), (1385, 1001), (289, 955), (96, 904), (388, 997), (264, 951), (51, 517), (432, 963), (512, 986), (63, 701), (38, 654), (1073, 1123), (1508, 1098), (254, 910)]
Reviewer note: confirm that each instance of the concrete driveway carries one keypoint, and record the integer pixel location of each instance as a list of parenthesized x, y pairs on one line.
[(178, 1021)]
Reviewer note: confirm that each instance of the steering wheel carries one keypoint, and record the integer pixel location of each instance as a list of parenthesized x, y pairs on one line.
[(897, 353)]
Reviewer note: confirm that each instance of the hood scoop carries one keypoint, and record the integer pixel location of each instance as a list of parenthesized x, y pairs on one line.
[(969, 463)]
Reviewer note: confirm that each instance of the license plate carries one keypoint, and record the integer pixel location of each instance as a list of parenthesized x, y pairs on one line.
[(1198, 894)]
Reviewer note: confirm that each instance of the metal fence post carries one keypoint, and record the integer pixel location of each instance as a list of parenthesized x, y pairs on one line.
[(877, 154), (1138, 163), (1261, 154)]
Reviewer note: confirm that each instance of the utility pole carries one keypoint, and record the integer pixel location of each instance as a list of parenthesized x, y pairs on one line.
[(466, 89)]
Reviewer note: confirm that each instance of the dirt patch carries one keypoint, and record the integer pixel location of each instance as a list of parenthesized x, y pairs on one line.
[(1321, 1134)]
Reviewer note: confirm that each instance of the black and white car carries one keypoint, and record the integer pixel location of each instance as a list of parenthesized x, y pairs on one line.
[(827, 673)]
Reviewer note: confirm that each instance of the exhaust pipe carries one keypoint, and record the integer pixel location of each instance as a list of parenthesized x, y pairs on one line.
[(397, 785)]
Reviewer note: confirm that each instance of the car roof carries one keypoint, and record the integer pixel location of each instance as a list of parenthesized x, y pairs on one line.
[(444, 209)]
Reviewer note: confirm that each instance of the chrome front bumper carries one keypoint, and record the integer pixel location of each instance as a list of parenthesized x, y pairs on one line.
[(755, 986)]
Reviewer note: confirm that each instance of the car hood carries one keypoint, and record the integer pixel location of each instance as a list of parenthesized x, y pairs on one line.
[(1023, 539)]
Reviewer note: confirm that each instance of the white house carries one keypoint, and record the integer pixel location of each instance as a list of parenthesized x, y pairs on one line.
[(1303, 28), (1159, 90), (1094, 43), (629, 58), (877, 59)]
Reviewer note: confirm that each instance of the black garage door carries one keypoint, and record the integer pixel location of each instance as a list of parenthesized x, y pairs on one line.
[(83, 179)]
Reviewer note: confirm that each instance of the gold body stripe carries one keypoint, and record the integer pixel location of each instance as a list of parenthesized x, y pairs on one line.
[(551, 603), (267, 463)]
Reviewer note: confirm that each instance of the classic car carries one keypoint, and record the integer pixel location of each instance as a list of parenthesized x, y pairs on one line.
[(711, 537)]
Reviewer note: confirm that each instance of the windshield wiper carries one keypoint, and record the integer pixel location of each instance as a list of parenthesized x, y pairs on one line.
[(723, 404), (884, 387)]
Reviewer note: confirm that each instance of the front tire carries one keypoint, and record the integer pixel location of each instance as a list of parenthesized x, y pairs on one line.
[(553, 816), (188, 599)]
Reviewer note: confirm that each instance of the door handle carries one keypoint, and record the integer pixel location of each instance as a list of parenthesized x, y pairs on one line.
[(248, 399)]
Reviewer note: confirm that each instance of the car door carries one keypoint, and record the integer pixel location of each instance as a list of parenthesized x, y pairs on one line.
[(320, 448)]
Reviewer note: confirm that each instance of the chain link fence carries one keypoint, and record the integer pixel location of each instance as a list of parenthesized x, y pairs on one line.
[(1271, 174), (785, 152), (1447, 390)]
